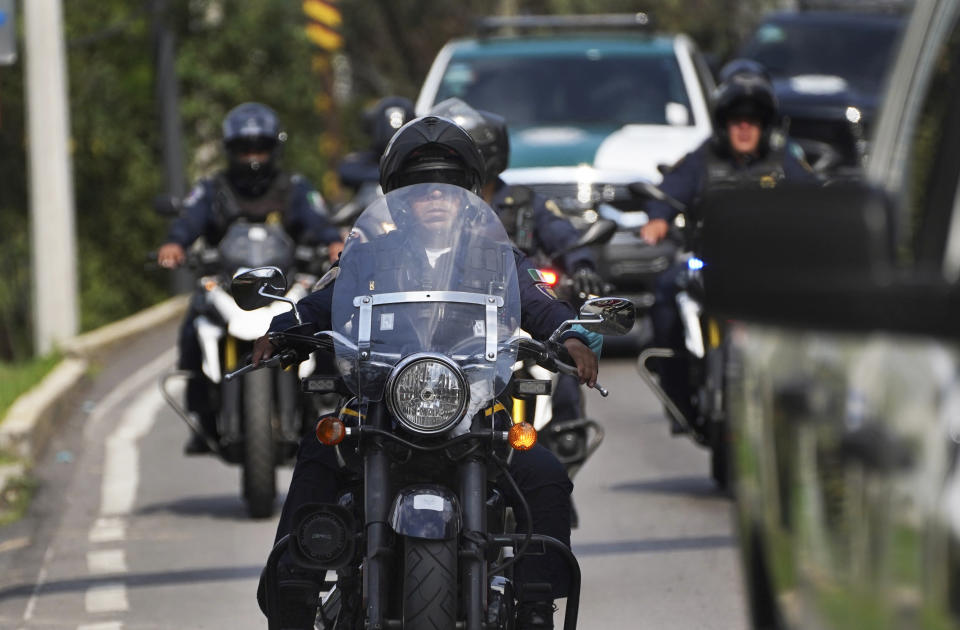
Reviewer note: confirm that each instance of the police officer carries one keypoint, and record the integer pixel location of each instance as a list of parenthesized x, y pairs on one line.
[(380, 122), (433, 149), (535, 224), (252, 188), (747, 148)]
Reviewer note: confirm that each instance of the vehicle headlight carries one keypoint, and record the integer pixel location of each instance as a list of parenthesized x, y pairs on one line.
[(427, 393)]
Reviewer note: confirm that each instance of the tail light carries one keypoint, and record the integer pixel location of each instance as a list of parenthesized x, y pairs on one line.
[(549, 276)]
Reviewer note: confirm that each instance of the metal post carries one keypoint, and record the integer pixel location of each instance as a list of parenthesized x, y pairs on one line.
[(168, 107), (53, 235)]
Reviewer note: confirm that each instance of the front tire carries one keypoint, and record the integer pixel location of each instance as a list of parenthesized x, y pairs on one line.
[(259, 467), (429, 584)]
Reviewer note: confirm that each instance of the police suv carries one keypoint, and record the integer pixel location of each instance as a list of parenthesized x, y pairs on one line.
[(592, 103)]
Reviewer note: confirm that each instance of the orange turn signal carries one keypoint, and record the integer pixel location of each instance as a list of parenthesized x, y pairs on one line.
[(330, 430), (522, 436)]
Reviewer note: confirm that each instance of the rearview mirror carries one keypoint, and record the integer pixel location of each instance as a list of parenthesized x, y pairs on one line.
[(608, 315), (258, 287)]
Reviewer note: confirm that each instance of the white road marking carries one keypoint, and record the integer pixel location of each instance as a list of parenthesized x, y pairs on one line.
[(107, 625), (121, 469), (109, 597), (107, 561), (41, 580), (112, 597), (108, 529)]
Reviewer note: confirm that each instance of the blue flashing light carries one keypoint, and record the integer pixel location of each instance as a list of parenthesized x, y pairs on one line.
[(694, 264), (3, 17)]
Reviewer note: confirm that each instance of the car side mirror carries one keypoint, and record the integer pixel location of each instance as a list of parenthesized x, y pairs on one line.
[(608, 315), (800, 254), (258, 287)]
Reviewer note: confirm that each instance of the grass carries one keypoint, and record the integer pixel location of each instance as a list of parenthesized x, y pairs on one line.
[(15, 499), (17, 378)]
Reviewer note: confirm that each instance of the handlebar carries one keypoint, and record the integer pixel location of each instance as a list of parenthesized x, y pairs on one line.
[(274, 361), (545, 356)]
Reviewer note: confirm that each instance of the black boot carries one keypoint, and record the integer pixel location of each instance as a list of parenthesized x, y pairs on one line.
[(195, 445), (535, 615), (299, 598)]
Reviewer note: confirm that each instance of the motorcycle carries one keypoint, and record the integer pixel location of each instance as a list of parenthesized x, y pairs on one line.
[(260, 418), (705, 348), (575, 440), (421, 538)]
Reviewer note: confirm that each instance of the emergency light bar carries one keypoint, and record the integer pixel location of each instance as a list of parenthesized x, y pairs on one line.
[(489, 24)]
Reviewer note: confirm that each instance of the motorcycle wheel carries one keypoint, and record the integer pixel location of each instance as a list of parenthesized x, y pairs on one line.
[(429, 584), (259, 468)]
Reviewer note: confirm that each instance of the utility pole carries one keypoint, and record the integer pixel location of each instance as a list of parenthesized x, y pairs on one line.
[(168, 106), (52, 223)]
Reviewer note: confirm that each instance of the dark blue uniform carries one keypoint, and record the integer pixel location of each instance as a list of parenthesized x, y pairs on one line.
[(537, 224), (546, 230), (689, 179), (317, 477), (208, 211)]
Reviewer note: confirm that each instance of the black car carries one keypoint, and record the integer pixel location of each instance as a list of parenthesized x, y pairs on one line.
[(828, 70), (843, 388)]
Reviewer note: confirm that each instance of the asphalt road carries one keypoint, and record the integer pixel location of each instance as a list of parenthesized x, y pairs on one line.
[(127, 533)]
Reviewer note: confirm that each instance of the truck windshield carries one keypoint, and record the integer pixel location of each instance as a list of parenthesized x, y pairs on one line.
[(592, 88)]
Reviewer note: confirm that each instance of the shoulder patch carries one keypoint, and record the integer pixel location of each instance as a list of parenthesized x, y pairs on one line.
[(797, 152), (547, 290), (317, 202), (537, 275), (327, 278), (194, 196)]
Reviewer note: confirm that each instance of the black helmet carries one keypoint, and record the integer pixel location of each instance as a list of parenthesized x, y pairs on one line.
[(487, 129), (383, 119), (251, 128), (745, 89), (431, 149)]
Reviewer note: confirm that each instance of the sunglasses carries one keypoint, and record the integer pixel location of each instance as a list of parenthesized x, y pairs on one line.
[(251, 145)]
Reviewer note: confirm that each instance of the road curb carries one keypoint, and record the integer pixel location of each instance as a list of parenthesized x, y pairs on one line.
[(31, 419)]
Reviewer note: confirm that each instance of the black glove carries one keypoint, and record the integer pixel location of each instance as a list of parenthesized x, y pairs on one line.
[(587, 282)]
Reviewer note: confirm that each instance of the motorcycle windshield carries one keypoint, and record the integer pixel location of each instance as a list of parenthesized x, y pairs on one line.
[(427, 268), (249, 245)]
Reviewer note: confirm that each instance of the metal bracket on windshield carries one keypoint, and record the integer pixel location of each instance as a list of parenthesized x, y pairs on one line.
[(366, 303)]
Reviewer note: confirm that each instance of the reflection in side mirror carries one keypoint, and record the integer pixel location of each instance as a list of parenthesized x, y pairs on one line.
[(258, 287), (613, 315)]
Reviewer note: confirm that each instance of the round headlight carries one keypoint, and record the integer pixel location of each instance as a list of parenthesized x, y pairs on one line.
[(428, 393)]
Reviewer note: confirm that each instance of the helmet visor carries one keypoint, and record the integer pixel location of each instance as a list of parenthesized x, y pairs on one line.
[(448, 175)]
